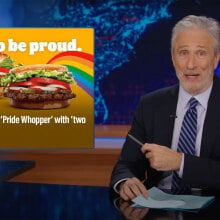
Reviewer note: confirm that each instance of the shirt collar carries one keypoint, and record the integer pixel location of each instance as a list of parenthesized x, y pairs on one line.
[(202, 98)]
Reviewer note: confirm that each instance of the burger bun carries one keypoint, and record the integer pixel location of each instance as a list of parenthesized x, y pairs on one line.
[(53, 104), (46, 67)]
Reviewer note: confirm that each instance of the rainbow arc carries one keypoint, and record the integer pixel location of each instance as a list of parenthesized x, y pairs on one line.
[(81, 65)]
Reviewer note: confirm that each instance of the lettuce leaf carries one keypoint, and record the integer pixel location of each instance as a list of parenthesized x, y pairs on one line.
[(7, 63), (14, 77)]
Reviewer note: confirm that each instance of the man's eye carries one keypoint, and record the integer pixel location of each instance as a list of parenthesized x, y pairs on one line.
[(201, 53), (183, 53)]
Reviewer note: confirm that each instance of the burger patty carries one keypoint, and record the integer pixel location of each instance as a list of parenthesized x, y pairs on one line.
[(33, 97)]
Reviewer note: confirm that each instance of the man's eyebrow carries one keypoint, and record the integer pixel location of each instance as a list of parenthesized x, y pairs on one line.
[(182, 46), (201, 46), (186, 46)]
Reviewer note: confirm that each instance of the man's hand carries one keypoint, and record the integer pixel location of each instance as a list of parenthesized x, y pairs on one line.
[(162, 158), (132, 188)]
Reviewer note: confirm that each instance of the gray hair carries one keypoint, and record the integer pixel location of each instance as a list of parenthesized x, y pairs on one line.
[(207, 24)]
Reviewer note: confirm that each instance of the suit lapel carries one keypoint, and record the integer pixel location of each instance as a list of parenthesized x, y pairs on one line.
[(212, 120), (165, 116)]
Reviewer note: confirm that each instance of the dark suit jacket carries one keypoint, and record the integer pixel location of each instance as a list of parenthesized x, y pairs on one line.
[(153, 123)]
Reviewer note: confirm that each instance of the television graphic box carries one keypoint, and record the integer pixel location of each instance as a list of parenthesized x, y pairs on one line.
[(47, 88)]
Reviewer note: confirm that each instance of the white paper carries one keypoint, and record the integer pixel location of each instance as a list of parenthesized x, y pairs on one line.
[(161, 200)]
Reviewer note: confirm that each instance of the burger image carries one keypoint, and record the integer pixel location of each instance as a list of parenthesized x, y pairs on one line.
[(6, 63), (40, 86)]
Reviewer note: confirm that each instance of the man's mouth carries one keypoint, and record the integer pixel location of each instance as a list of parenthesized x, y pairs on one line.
[(191, 76)]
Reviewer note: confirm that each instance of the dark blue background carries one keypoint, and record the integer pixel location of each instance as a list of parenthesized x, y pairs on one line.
[(147, 68)]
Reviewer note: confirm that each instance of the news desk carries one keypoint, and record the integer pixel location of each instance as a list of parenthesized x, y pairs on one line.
[(30, 201)]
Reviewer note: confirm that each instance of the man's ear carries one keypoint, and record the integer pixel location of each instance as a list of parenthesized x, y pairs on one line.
[(172, 57), (217, 58)]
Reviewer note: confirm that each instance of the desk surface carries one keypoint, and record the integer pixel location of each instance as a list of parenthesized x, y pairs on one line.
[(10, 168), (55, 202), (32, 201), (64, 202)]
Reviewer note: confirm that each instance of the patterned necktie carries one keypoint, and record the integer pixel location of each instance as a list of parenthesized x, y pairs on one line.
[(186, 145)]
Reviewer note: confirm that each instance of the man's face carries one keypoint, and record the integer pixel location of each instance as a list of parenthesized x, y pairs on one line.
[(194, 60)]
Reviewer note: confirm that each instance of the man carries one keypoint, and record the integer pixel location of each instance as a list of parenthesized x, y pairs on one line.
[(168, 159)]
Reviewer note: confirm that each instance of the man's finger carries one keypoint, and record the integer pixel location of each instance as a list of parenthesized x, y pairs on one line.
[(148, 154), (132, 188), (136, 189), (143, 148), (146, 148), (143, 190), (123, 195), (126, 189)]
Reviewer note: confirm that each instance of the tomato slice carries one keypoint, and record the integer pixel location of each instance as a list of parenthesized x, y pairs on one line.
[(25, 84), (4, 70), (49, 81), (41, 81)]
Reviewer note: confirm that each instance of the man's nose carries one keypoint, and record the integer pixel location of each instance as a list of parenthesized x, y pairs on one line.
[(191, 61)]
